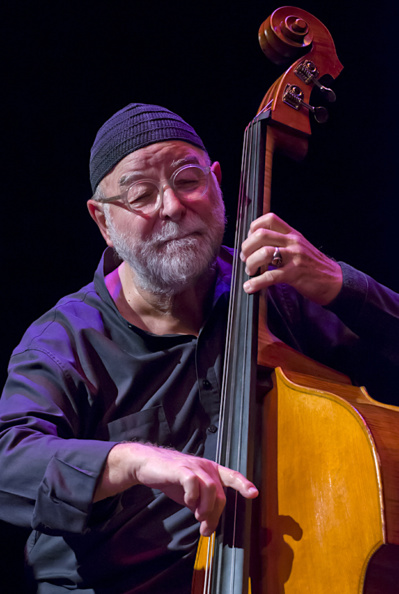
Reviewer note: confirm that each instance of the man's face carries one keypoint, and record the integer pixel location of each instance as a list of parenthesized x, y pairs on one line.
[(170, 249)]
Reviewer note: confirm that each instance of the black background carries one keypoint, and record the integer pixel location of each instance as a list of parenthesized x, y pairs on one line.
[(68, 65)]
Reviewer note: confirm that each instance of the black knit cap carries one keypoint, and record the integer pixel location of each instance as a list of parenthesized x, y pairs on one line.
[(135, 126)]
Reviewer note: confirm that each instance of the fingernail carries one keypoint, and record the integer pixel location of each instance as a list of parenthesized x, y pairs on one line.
[(247, 286)]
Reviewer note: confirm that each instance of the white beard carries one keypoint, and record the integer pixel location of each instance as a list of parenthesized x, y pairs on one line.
[(174, 256)]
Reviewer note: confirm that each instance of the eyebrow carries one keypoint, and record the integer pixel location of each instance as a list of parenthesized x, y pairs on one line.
[(127, 178), (190, 159)]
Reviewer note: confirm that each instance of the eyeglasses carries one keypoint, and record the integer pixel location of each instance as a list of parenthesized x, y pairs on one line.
[(145, 196)]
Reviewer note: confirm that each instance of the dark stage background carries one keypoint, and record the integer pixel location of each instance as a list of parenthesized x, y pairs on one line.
[(68, 65)]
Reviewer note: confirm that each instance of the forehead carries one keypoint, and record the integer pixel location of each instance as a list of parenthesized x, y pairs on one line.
[(158, 157)]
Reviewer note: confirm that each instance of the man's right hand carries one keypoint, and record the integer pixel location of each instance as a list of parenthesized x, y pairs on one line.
[(195, 482)]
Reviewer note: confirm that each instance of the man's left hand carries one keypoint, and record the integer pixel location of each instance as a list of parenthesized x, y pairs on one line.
[(304, 267)]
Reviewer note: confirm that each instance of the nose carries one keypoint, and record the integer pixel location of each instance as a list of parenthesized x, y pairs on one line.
[(171, 206)]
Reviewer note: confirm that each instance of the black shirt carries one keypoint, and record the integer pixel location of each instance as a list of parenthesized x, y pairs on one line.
[(84, 379)]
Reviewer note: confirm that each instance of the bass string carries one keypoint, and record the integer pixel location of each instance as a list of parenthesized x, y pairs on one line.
[(235, 292), (247, 210), (248, 207)]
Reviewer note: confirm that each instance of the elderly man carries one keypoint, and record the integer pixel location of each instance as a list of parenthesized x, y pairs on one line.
[(133, 362)]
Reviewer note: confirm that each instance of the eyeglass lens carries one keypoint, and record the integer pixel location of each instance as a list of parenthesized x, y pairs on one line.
[(188, 183)]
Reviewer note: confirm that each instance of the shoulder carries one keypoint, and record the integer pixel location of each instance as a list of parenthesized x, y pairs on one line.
[(89, 308), (71, 315)]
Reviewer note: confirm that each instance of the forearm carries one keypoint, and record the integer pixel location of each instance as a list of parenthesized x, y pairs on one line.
[(119, 471), (369, 309), (47, 483)]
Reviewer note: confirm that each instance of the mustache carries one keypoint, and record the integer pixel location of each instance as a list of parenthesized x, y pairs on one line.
[(171, 230)]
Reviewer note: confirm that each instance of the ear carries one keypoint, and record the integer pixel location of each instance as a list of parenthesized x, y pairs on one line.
[(96, 211), (217, 170)]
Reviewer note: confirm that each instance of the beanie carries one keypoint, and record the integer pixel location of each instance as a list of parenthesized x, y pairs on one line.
[(135, 126)]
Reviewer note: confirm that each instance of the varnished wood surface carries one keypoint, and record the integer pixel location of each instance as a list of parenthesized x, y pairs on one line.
[(329, 505)]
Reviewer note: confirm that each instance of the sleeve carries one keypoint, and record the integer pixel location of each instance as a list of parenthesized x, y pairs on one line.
[(48, 469), (370, 309), (356, 334)]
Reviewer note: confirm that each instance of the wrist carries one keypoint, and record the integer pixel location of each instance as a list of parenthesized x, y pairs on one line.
[(119, 471), (334, 285)]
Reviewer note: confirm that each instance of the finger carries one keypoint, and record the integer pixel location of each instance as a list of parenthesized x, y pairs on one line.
[(191, 489), (203, 490), (211, 496), (259, 259), (211, 506), (265, 280), (235, 480), (272, 222), (260, 238), (243, 486)]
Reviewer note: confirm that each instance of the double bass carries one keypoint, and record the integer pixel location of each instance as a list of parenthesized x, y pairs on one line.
[(323, 453)]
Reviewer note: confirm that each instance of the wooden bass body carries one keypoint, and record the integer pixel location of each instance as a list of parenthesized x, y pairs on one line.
[(327, 519), (330, 496)]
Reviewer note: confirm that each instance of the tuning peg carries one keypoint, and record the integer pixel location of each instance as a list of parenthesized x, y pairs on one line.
[(320, 113), (308, 73), (293, 96), (327, 92)]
